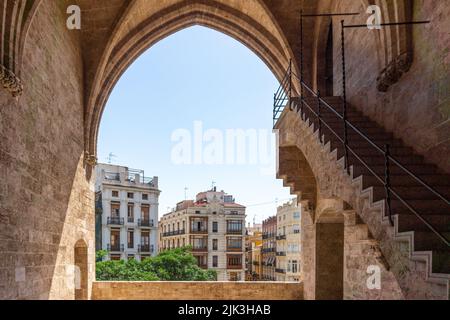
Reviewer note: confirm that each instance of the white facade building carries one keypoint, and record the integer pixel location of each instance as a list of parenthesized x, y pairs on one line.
[(214, 225), (127, 212), (288, 242)]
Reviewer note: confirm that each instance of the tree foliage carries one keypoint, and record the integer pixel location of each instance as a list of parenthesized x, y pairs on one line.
[(171, 265)]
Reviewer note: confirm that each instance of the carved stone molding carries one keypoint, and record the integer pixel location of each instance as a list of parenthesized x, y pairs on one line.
[(394, 71), (10, 82), (90, 160)]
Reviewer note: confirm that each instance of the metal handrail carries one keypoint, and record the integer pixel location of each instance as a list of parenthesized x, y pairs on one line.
[(385, 152)]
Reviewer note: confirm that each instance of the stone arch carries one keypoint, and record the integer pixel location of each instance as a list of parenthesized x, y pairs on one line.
[(15, 21), (262, 36), (81, 270)]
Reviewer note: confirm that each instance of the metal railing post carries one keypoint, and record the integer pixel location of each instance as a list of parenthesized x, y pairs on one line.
[(301, 65), (290, 85), (319, 115), (387, 181), (344, 96)]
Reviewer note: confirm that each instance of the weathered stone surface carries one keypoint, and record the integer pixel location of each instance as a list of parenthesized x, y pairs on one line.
[(197, 291)]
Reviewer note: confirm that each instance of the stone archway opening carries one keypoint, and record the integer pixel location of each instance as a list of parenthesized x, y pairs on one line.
[(329, 258), (81, 270)]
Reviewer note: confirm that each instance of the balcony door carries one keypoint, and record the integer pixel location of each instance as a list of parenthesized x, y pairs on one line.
[(145, 238), (115, 239), (115, 210), (145, 213)]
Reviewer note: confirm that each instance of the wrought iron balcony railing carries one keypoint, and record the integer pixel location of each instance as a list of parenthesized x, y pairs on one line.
[(115, 247), (173, 233), (145, 248), (145, 223), (115, 221)]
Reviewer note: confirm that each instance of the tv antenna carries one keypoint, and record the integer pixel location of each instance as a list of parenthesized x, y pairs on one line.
[(110, 157), (185, 192)]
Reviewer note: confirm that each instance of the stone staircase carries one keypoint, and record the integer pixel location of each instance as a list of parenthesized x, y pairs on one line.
[(425, 246)]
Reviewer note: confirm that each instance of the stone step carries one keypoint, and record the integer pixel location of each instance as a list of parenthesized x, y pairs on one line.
[(413, 192), (428, 241), (410, 222), (435, 207)]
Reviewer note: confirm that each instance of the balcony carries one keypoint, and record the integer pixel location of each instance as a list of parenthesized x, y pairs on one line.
[(115, 221), (200, 249), (199, 230), (281, 253), (142, 248), (280, 271), (115, 247), (268, 250), (235, 232), (234, 266), (130, 219), (281, 237), (268, 235), (234, 249), (174, 233), (145, 223)]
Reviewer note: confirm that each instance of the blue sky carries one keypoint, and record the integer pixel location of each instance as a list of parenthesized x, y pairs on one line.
[(197, 76)]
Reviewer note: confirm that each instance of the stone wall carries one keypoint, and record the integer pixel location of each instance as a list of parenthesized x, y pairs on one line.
[(160, 290), (362, 248), (417, 107), (46, 203)]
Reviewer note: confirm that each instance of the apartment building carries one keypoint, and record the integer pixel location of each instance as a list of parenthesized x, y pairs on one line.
[(214, 225), (288, 242), (269, 231), (126, 212), (253, 244)]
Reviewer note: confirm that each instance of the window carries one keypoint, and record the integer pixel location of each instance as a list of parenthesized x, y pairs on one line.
[(130, 238), (115, 257), (144, 196), (145, 213), (234, 226), (200, 243), (234, 276), (131, 212), (297, 215), (234, 213), (234, 243), (215, 244), (197, 212), (215, 226), (294, 266), (115, 210), (215, 261), (130, 256), (115, 194), (145, 238), (296, 228), (130, 195), (184, 242), (234, 260)]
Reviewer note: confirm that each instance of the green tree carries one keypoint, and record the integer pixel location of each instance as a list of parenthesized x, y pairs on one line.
[(171, 265)]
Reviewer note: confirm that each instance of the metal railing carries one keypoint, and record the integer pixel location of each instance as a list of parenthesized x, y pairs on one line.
[(281, 253), (281, 237), (145, 223), (284, 99), (145, 248), (115, 221), (174, 233), (115, 247)]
